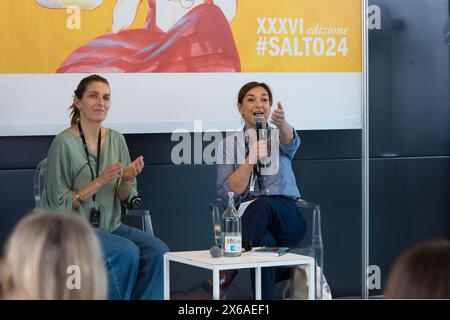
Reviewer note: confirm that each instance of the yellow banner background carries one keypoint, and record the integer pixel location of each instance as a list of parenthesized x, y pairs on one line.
[(36, 39)]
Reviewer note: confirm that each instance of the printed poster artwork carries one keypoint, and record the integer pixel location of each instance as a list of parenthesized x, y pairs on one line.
[(173, 36)]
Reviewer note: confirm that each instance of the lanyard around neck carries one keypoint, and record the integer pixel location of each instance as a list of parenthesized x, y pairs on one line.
[(99, 145), (256, 173)]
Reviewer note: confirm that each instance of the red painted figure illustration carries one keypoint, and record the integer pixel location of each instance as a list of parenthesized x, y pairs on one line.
[(178, 36)]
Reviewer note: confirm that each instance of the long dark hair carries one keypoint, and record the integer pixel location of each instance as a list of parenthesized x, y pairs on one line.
[(79, 92)]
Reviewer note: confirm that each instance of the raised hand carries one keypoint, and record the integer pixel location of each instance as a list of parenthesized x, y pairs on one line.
[(278, 117)]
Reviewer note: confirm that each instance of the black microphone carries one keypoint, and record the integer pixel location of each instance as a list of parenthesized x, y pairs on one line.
[(261, 135), (216, 251), (261, 132), (134, 203)]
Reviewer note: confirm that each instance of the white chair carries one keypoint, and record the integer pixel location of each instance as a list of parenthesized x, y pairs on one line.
[(140, 219)]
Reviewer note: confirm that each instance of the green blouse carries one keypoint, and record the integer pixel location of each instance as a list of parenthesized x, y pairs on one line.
[(67, 170)]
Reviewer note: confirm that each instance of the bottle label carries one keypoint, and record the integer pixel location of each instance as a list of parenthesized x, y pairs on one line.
[(233, 244)]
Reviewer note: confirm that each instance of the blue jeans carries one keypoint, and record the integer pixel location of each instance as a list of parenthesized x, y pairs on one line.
[(134, 261), (272, 221)]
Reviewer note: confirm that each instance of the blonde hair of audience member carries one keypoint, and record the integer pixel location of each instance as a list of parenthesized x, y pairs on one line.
[(39, 252), (422, 272)]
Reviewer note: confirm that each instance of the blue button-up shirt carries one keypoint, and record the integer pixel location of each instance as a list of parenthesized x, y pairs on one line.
[(231, 155)]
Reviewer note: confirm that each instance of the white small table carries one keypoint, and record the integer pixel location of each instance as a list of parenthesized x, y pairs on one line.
[(203, 259)]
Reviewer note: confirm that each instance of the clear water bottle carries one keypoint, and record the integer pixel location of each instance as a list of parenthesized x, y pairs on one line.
[(231, 230)]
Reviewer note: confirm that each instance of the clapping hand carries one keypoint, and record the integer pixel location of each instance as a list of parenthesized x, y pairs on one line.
[(111, 173), (133, 169)]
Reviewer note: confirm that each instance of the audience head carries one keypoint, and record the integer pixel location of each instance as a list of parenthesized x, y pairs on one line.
[(422, 272), (53, 256), (79, 93)]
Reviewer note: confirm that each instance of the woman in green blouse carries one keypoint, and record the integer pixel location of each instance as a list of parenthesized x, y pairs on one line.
[(89, 171)]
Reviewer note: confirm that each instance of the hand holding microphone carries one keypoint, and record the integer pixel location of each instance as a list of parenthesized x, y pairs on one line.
[(258, 151)]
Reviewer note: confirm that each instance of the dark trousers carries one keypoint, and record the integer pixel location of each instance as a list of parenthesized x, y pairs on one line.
[(272, 221)]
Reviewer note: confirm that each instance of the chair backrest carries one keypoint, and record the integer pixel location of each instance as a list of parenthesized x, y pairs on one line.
[(216, 211), (39, 183), (311, 214), (311, 245)]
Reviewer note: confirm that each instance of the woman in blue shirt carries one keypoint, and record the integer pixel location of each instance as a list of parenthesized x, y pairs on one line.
[(271, 217)]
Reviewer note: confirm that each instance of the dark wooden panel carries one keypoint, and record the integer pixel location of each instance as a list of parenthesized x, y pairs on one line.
[(409, 203)]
